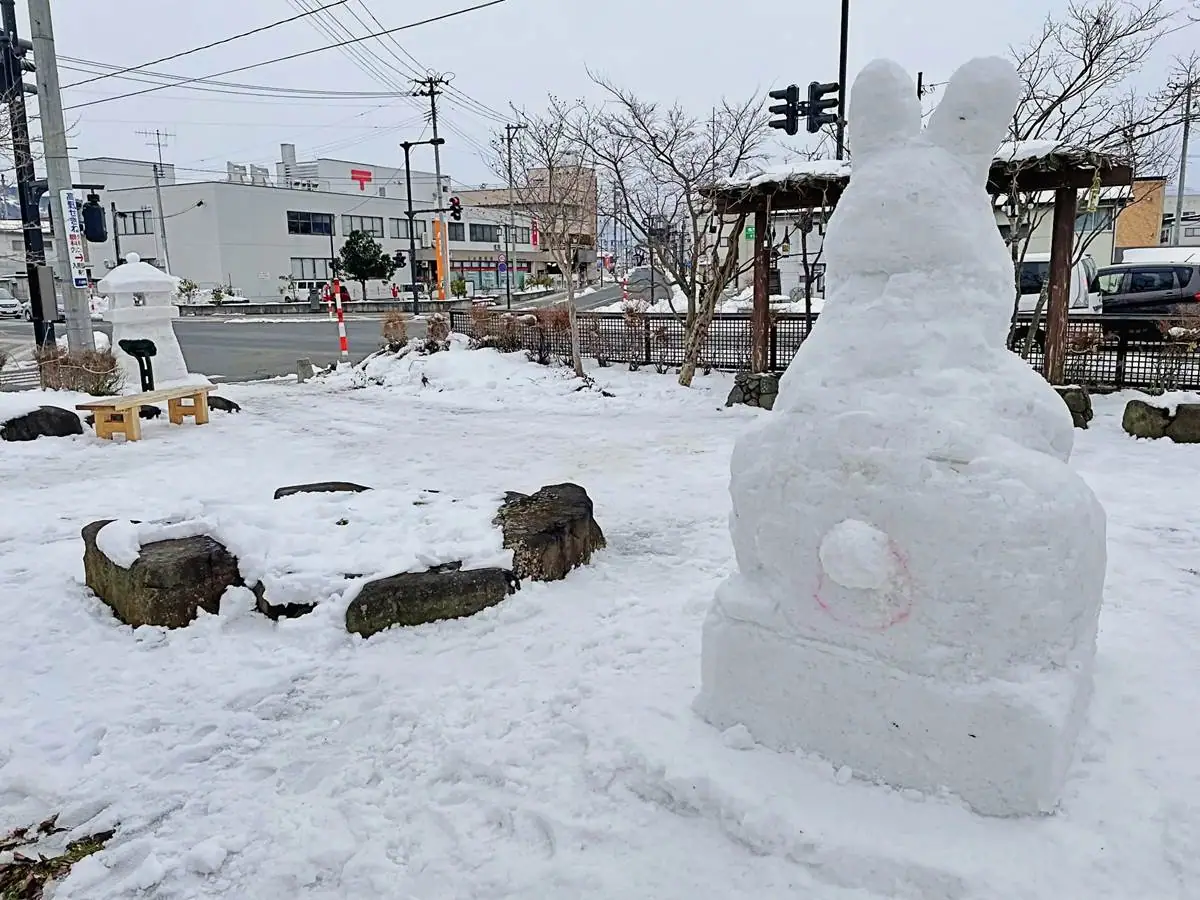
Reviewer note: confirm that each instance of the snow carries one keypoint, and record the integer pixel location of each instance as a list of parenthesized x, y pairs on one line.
[(544, 748), (919, 571), (1160, 255), (301, 547), (99, 338), (136, 277)]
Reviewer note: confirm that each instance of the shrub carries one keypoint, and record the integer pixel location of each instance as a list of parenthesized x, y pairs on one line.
[(438, 328), (94, 372), (458, 287), (218, 294), (554, 319), (395, 328)]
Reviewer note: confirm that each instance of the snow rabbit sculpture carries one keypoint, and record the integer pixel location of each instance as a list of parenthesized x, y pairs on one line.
[(919, 571)]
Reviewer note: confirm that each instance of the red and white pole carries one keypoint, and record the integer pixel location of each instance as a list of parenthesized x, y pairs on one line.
[(342, 343), (625, 290)]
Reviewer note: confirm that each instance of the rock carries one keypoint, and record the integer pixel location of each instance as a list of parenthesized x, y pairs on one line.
[(550, 532), (223, 404), (1185, 426), (415, 598), (168, 585), (754, 389), (1079, 402), (1142, 420), (304, 370), (320, 487), (46, 421)]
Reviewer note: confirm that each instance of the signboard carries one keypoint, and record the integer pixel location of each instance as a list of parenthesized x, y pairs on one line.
[(502, 267), (75, 254), (362, 176), (748, 234), (533, 232)]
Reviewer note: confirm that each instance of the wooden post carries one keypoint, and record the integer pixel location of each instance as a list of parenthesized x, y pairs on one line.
[(760, 313), (1062, 249)]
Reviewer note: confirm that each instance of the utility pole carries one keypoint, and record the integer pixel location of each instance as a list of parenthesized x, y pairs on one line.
[(159, 139), (71, 276), (842, 86), (431, 85), (510, 244), (1177, 231), (116, 215), (13, 66)]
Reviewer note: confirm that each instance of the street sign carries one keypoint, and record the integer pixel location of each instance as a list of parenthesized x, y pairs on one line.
[(748, 234), (501, 267), (75, 252), (502, 257)]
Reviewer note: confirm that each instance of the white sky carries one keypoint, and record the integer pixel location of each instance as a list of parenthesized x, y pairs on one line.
[(690, 50)]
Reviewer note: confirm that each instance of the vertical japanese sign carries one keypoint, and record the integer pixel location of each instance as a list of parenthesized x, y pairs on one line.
[(74, 238), (533, 232)]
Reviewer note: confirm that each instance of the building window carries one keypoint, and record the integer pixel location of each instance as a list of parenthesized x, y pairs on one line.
[(1191, 231), (19, 246), (399, 228), (310, 269), (521, 235), (135, 222), (1092, 222), (309, 223), (372, 225), (456, 231), (485, 234)]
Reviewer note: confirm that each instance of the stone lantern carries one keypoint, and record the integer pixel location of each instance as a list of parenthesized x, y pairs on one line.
[(140, 308)]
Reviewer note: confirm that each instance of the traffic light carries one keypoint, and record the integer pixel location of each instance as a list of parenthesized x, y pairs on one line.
[(401, 262), (95, 229), (818, 102), (455, 209), (789, 109)]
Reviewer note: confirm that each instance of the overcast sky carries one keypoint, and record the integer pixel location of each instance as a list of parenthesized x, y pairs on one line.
[(690, 50)]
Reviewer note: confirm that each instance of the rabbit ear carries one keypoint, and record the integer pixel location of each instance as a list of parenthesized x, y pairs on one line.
[(884, 109), (973, 116)]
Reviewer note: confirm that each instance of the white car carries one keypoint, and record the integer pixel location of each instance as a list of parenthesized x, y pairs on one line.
[(10, 306)]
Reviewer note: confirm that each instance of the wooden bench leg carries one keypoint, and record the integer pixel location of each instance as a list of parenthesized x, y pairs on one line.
[(194, 407), (201, 403), (110, 422)]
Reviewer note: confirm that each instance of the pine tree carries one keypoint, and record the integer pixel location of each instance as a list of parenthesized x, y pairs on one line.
[(363, 260)]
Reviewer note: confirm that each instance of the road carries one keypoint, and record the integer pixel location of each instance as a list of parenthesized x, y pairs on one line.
[(245, 348)]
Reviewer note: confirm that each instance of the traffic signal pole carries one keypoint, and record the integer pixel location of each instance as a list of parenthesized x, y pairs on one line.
[(58, 174), (841, 113), (11, 73)]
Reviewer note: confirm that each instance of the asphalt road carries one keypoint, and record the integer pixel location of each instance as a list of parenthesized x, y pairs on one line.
[(245, 348)]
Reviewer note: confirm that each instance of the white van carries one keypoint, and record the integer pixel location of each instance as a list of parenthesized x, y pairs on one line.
[(1035, 270)]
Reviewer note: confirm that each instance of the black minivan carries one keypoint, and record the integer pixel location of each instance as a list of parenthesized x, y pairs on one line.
[(1160, 289)]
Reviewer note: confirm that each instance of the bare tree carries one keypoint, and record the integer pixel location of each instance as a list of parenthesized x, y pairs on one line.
[(661, 159), (555, 184), (1076, 74)]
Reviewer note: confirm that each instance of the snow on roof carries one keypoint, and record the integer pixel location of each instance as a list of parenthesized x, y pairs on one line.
[(136, 277), (819, 170)]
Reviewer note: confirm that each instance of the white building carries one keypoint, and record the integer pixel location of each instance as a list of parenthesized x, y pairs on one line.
[(266, 238)]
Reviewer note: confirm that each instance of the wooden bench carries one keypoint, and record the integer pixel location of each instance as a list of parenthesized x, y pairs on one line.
[(121, 415)]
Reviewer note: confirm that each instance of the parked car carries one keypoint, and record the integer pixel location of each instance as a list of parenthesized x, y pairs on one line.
[(1160, 289), (1035, 272), (10, 306)]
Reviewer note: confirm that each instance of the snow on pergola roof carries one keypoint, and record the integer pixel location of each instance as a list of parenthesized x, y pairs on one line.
[(1039, 165)]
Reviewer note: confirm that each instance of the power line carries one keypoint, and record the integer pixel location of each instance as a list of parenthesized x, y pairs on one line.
[(228, 40), (299, 55)]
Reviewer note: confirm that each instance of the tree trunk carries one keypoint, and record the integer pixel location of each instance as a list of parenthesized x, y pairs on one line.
[(576, 358), (696, 336)]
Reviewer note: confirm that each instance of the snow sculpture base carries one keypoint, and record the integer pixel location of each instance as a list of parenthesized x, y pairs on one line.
[(1003, 747), (148, 323)]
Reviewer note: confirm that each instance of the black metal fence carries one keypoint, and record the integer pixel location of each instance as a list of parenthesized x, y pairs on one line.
[(1102, 351)]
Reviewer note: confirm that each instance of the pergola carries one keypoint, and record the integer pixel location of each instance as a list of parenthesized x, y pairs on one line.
[(1028, 166)]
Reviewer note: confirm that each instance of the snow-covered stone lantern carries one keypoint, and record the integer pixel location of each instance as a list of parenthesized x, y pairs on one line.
[(140, 308)]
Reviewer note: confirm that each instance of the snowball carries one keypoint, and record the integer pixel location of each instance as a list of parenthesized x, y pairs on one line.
[(858, 555)]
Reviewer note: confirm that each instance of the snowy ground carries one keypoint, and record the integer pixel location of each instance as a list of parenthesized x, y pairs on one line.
[(544, 748)]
